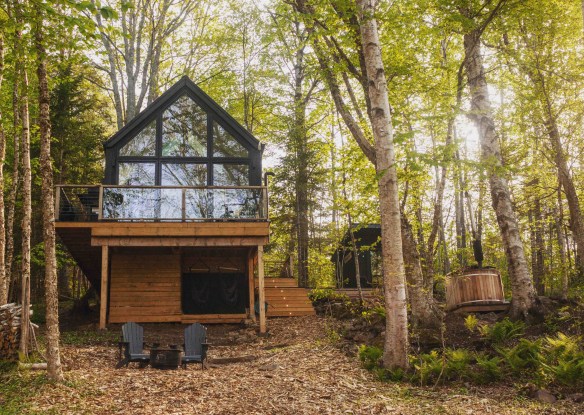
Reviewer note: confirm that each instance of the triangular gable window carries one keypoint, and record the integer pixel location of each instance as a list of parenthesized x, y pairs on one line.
[(143, 144), (225, 145), (184, 129)]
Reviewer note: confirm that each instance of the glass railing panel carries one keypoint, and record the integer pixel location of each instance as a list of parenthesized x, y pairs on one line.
[(136, 203)]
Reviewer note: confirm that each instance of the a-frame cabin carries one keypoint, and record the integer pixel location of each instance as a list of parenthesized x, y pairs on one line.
[(176, 231)]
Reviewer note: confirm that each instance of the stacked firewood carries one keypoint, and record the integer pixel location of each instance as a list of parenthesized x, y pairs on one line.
[(9, 330)]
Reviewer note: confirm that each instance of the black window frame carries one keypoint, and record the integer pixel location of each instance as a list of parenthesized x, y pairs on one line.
[(209, 160)]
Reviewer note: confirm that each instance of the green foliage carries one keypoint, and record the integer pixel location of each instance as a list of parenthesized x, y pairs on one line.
[(427, 366), (525, 355), (85, 338), (503, 331), (457, 363), (17, 388), (471, 322), (564, 360), (370, 356), (325, 294), (488, 369), (376, 310)]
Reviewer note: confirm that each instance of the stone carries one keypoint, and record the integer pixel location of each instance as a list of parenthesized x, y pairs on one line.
[(543, 395), (576, 397)]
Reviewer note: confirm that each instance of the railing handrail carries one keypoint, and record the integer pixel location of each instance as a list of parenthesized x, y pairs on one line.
[(155, 187)]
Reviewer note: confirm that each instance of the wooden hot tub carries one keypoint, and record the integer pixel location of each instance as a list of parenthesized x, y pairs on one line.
[(472, 290)]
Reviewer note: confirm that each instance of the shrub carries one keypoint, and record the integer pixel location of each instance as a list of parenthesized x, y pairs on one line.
[(564, 360), (503, 331), (525, 355), (456, 363), (370, 356), (328, 294), (488, 369), (427, 366), (471, 322)]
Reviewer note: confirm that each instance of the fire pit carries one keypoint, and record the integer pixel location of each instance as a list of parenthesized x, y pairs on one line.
[(165, 358)]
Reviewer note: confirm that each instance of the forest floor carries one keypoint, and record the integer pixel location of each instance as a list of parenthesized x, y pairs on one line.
[(296, 369)]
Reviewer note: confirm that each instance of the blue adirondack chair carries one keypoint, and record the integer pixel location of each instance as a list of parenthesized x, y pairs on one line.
[(195, 346), (132, 346)]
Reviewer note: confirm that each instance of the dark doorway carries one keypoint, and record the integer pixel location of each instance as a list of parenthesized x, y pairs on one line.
[(214, 293)]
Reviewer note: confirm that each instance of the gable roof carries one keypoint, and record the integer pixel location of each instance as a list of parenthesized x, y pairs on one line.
[(168, 97)]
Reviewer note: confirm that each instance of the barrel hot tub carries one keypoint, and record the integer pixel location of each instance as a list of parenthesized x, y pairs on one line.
[(479, 289)]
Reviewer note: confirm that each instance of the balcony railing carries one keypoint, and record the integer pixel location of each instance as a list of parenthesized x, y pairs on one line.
[(160, 203)]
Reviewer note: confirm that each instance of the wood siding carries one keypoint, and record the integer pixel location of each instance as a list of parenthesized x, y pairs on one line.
[(145, 288)]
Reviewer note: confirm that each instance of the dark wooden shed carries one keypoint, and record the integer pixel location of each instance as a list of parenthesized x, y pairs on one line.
[(368, 242)]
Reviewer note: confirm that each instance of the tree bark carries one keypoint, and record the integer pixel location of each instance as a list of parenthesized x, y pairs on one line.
[(3, 279), (299, 139), (562, 248), (395, 353), (26, 190), (567, 183), (54, 370), (423, 312), (523, 304), (14, 189)]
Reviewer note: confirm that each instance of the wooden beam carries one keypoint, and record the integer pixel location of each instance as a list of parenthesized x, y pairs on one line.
[(104, 278), (183, 229), (251, 285), (262, 296), (179, 241)]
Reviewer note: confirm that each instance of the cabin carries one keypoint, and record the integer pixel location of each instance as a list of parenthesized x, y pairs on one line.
[(176, 230), (368, 243)]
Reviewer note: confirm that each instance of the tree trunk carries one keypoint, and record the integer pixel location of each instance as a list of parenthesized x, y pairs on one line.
[(54, 370), (562, 248), (299, 139), (395, 353), (423, 312), (567, 183), (14, 190), (524, 300), (3, 279), (26, 194)]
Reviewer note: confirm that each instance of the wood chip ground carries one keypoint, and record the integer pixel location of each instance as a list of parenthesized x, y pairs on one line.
[(296, 370)]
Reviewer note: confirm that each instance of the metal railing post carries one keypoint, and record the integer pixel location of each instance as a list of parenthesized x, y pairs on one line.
[(184, 204)]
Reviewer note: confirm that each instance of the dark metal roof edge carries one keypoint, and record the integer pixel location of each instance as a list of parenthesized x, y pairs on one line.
[(166, 97)]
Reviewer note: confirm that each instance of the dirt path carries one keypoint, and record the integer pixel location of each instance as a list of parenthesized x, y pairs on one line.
[(297, 370)]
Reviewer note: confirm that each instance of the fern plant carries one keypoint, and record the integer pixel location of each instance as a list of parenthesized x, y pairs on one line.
[(525, 355), (489, 368), (503, 331)]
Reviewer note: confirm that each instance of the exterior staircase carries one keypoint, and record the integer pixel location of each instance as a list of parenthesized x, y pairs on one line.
[(286, 299)]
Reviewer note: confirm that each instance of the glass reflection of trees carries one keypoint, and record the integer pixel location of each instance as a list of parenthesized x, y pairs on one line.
[(184, 129), (225, 145), (143, 144)]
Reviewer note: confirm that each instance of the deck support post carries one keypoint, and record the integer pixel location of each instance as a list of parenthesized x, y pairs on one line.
[(251, 284), (262, 296), (104, 282)]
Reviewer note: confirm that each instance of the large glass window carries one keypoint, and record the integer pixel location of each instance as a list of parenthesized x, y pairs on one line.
[(184, 129), (143, 144), (225, 145), (184, 174), (136, 174), (230, 175)]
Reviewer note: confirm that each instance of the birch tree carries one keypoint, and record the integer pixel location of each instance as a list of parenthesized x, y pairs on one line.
[(3, 279), (524, 302), (54, 370)]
